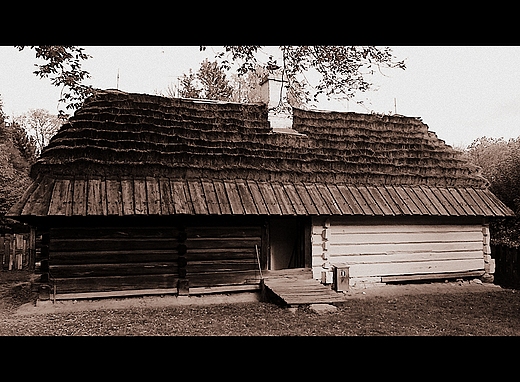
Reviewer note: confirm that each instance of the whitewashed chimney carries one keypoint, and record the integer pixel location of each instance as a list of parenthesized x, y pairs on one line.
[(274, 93)]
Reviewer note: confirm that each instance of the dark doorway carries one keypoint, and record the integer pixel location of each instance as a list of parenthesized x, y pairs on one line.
[(287, 243)]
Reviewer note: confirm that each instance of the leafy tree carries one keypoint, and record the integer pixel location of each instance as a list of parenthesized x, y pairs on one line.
[(23, 142), (63, 67), (40, 124), (214, 83), (188, 87), (14, 166), (209, 82), (500, 163), (342, 70)]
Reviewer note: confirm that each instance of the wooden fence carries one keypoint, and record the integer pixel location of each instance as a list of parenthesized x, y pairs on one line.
[(17, 251), (507, 265)]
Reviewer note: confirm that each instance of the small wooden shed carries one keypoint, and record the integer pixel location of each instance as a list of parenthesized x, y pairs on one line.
[(141, 192)]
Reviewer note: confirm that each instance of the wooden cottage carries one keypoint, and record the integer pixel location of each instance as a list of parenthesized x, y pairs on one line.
[(140, 192)]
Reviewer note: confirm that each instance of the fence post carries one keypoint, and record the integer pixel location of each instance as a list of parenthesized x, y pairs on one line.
[(32, 249), (514, 266), (2, 253)]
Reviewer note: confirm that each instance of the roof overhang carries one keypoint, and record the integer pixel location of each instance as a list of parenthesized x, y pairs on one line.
[(132, 196)]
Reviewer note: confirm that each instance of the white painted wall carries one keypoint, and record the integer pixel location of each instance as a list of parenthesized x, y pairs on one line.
[(384, 247)]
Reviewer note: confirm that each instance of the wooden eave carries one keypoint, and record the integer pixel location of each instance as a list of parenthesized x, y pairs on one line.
[(164, 196)]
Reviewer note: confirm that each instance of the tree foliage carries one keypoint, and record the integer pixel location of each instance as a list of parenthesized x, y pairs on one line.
[(209, 82), (342, 70), (62, 65), (41, 125), (500, 163), (15, 161)]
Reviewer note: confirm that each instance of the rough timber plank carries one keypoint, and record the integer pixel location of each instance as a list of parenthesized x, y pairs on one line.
[(444, 202), (257, 198), (197, 197), (140, 199), (234, 198), (441, 210), (80, 195), (452, 202), (340, 201), (424, 204), (408, 200), (369, 198), (247, 199), (153, 195), (270, 199), (398, 201), (462, 203), (486, 211), (60, 199), (167, 207), (294, 198), (21, 204), (180, 201), (464, 193), (127, 196), (95, 197), (306, 199), (329, 199), (389, 200), (493, 202), (434, 276), (211, 197), (360, 200), (222, 198), (350, 200), (114, 203), (283, 201), (380, 200), (298, 287), (315, 194)]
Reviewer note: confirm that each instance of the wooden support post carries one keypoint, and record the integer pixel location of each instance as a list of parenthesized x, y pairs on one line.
[(45, 257), (10, 251), (32, 249), (183, 284)]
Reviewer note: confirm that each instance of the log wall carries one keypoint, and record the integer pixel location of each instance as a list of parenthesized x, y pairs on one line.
[(384, 250), (223, 255), (85, 259), (140, 256)]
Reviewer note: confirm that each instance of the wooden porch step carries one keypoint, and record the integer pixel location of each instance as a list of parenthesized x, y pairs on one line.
[(297, 287)]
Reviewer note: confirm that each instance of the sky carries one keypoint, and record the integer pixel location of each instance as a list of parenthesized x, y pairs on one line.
[(461, 92)]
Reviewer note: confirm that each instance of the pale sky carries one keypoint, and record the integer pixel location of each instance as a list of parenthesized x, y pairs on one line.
[(461, 92)]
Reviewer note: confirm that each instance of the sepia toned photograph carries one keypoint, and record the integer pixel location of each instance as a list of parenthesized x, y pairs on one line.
[(259, 190)]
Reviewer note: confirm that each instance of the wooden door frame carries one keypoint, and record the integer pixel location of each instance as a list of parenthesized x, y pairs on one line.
[(304, 227)]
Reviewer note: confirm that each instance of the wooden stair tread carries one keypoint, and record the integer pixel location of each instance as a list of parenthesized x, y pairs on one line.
[(298, 287)]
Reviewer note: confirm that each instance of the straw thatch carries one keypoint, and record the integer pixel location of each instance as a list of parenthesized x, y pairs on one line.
[(134, 154), (122, 134)]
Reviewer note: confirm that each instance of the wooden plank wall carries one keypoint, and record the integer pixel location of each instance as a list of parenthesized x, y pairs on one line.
[(113, 258), (16, 251), (222, 255), (383, 249)]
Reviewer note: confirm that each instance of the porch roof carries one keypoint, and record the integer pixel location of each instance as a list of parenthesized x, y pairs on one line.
[(130, 196)]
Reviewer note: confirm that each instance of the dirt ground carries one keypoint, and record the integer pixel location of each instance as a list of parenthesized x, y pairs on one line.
[(464, 308), (19, 290)]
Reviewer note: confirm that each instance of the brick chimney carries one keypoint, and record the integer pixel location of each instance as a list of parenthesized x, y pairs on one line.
[(274, 94)]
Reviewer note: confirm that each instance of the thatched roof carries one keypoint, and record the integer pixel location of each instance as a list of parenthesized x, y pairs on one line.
[(118, 135)]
